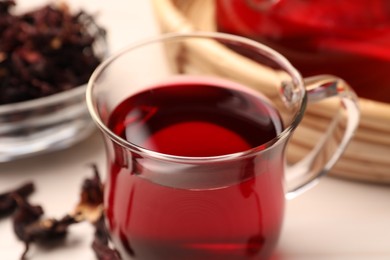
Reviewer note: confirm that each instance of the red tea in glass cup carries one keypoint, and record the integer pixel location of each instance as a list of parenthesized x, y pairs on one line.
[(349, 39), (195, 136)]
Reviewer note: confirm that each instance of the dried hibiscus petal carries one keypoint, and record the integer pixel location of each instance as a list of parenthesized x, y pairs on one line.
[(100, 244), (90, 206), (8, 201), (48, 229), (30, 227), (25, 215)]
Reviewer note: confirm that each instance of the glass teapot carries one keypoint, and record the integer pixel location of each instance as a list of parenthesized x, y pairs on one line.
[(349, 39)]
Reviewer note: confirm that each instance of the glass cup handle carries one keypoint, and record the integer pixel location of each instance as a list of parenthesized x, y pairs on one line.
[(305, 173)]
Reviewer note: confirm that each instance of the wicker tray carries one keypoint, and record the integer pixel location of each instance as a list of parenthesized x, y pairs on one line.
[(366, 158)]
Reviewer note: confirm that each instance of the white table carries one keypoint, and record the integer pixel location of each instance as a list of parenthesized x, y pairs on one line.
[(337, 219)]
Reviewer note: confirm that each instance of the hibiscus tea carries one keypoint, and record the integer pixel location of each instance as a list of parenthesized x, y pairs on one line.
[(223, 218)]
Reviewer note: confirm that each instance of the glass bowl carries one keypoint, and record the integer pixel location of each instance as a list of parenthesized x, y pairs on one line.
[(49, 123)]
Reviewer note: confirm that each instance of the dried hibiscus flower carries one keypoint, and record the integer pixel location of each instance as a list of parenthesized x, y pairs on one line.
[(8, 201), (30, 225), (90, 206), (45, 51), (101, 245)]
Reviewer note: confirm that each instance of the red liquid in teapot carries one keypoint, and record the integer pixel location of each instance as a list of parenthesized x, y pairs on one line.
[(238, 220), (349, 39)]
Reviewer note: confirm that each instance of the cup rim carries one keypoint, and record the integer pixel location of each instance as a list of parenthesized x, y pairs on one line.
[(280, 59)]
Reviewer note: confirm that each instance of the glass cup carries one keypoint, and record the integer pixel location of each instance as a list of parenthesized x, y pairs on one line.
[(196, 128)]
